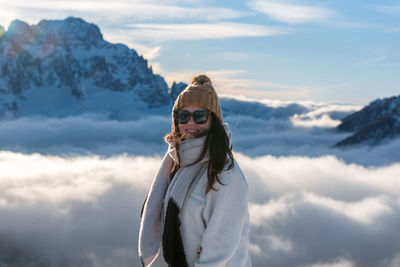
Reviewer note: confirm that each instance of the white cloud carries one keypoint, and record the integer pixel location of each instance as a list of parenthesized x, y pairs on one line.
[(168, 32), (225, 81), (120, 10), (290, 13), (229, 81), (232, 82), (324, 210), (269, 210), (56, 180), (320, 175), (276, 243), (310, 205), (364, 211), (7, 14), (260, 127), (323, 121), (322, 116), (84, 210), (393, 262), (114, 16), (336, 263), (85, 135), (71, 211)]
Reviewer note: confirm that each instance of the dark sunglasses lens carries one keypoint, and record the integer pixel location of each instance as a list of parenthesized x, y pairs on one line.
[(200, 116), (183, 116)]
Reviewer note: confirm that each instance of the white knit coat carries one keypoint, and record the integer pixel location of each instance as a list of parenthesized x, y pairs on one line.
[(214, 226)]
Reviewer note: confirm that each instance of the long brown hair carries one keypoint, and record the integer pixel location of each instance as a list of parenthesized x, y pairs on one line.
[(217, 143)]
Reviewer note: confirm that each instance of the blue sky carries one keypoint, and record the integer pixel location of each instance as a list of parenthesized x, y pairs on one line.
[(324, 51)]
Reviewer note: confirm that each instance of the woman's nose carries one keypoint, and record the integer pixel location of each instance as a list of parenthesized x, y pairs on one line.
[(191, 121)]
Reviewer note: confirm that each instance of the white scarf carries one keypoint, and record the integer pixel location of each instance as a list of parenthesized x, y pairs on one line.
[(152, 222)]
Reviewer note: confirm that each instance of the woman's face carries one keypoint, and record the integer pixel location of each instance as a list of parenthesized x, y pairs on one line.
[(190, 129)]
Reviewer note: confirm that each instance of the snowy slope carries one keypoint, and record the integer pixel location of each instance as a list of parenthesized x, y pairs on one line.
[(375, 122)]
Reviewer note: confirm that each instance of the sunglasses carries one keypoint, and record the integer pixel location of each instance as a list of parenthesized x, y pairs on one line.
[(199, 116)]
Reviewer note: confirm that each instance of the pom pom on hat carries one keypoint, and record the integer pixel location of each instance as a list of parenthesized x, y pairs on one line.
[(199, 93), (201, 79)]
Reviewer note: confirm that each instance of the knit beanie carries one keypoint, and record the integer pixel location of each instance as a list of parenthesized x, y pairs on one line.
[(199, 92)]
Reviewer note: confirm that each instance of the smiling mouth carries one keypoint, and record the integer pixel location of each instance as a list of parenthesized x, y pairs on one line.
[(192, 131)]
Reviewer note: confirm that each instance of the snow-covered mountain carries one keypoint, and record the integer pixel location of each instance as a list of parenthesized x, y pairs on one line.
[(379, 120), (65, 67)]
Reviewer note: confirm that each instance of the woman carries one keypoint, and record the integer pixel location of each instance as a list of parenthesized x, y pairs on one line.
[(196, 211)]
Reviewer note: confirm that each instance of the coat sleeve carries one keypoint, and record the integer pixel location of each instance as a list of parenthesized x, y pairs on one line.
[(225, 215)]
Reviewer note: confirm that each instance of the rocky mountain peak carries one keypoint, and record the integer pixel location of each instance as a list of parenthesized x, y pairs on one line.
[(375, 122), (18, 27), (176, 89), (69, 63), (19, 32), (72, 30)]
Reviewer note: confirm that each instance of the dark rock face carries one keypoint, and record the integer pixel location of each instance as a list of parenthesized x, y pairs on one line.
[(176, 89), (72, 55), (375, 122)]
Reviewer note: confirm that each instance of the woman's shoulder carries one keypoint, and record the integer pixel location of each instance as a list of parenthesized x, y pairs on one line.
[(234, 177)]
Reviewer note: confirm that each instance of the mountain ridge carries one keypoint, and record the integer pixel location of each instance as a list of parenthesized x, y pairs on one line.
[(377, 121), (69, 62)]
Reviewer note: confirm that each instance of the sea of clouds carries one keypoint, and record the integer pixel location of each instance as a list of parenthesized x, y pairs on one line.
[(71, 188)]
